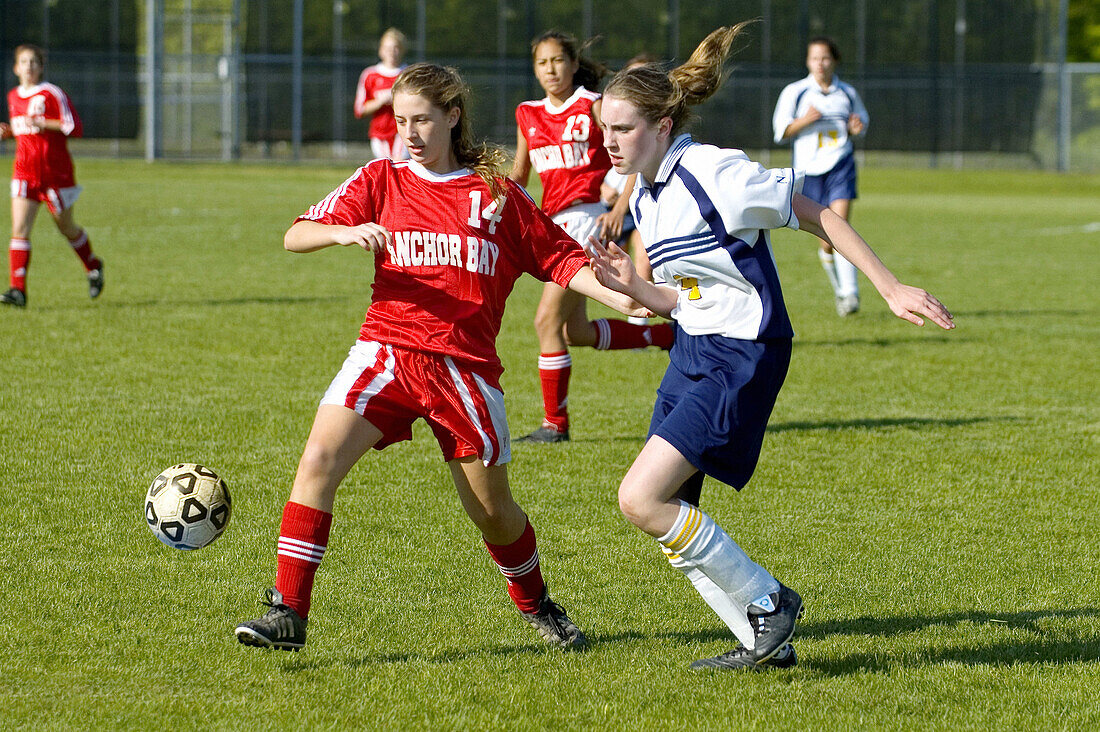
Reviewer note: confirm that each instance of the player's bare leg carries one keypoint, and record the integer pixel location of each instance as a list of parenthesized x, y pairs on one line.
[(759, 610), (338, 439), (510, 539), (847, 283), (23, 212), (555, 364), (82, 247)]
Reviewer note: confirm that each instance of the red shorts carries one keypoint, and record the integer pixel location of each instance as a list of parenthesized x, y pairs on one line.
[(57, 199), (391, 387)]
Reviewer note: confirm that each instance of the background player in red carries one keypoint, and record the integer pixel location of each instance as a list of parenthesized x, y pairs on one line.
[(41, 119), (374, 98), (560, 137), (450, 238)]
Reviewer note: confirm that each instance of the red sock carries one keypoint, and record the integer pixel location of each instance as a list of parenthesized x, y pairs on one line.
[(82, 245), (613, 335), (554, 370), (19, 258), (519, 563), (302, 541)]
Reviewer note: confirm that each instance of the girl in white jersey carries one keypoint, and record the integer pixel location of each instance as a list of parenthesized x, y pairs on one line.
[(704, 215), (820, 115), (449, 239), (559, 136)]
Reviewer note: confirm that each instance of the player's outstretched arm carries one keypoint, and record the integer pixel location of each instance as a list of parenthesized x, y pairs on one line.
[(614, 269), (309, 236), (585, 283), (905, 301)]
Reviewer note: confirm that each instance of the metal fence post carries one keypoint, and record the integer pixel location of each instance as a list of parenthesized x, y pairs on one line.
[(154, 70)]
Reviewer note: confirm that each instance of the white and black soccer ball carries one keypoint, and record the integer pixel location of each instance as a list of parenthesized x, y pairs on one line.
[(187, 506)]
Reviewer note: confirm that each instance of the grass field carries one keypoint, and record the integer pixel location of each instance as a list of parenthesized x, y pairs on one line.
[(933, 496)]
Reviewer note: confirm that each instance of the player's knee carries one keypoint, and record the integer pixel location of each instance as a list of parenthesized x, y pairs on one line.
[(633, 505), (318, 461), (547, 320)]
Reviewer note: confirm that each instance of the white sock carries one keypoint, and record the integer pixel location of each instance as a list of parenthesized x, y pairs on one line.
[(846, 272), (703, 544), (732, 614), (828, 264)]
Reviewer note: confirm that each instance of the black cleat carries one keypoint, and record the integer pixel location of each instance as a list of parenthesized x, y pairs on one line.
[(741, 658), (554, 626), (281, 627), (14, 297), (546, 435), (95, 281), (774, 625)]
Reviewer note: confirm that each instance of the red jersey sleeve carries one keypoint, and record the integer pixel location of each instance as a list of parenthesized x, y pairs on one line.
[(554, 255), (354, 202)]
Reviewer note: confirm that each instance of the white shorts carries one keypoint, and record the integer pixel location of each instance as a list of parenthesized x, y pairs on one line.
[(580, 221), (393, 149), (57, 199)]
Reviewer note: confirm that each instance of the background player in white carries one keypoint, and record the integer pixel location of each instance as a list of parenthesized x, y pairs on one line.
[(450, 237), (820, 115), (374, 98), (559, 137), (704, 213), (41, 120)]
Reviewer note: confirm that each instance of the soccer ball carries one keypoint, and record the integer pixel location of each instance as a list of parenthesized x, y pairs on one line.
[(187, 506)]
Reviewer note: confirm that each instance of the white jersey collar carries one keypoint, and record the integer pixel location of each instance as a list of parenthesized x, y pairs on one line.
[(28, 93), (828, 90), (421, 171), (672, 158), (577, 93)]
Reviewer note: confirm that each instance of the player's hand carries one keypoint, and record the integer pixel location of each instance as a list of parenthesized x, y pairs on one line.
[(813, 114), (909, 303), (855, 125), (610, 225), (385, 96), (372, 237), (612, 266), (5, 131)]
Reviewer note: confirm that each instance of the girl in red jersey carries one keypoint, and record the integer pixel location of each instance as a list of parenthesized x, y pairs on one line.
[(41, 119), (449, 238), (374, 98), (560, 137)]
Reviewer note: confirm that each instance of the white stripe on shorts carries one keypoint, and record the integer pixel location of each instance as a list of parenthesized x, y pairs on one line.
[(361, 357), (494, 402)]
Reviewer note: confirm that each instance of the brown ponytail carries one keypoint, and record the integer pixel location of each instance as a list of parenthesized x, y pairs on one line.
[(444, 88), (658, 94)]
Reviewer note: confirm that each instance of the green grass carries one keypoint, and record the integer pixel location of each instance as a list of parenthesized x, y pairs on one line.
[(932, 495)]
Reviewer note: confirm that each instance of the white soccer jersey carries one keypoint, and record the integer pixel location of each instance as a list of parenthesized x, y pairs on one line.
[(818, 148), (705, 224)]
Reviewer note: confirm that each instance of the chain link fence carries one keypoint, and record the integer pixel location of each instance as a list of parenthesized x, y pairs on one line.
[(237, 79)]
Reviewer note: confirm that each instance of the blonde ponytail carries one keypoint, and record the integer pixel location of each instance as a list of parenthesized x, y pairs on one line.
[(658, 94)]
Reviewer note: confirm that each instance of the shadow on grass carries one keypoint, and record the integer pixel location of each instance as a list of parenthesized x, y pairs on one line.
[(198, 303), (1037, 650), (923, 340), (873, 424)]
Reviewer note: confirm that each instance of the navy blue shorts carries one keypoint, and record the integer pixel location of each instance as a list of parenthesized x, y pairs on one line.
[(714, 401), (839, 183)]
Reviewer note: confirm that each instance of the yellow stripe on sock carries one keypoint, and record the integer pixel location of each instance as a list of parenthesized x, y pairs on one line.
[(688, 532)]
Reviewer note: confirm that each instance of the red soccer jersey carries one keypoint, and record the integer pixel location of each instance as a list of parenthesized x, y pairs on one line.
[(373, 80), (441, 285), (42, 156), (565, 145)]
